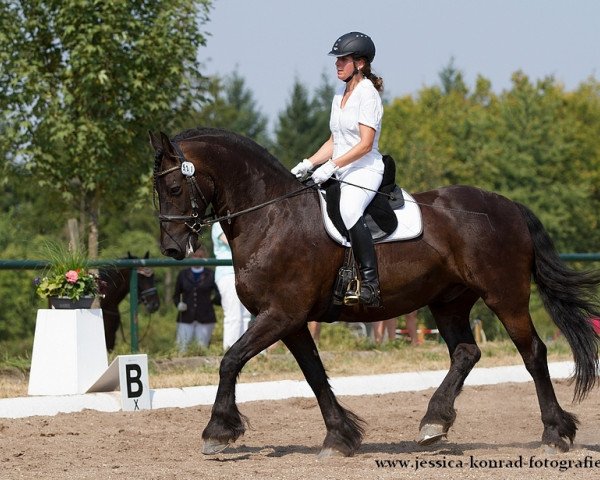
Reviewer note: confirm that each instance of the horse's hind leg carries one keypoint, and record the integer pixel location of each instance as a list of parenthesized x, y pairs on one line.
[(344, 429), (452, 320), (558, 424)]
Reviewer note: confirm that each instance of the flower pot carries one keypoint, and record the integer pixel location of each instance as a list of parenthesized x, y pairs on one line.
[(63, 303)]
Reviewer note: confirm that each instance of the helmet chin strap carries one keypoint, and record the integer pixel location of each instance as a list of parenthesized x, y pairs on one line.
[(356, 70), (351, 76)]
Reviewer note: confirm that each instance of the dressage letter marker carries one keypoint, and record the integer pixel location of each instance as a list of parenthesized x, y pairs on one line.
[(133, 375), (130, 373)]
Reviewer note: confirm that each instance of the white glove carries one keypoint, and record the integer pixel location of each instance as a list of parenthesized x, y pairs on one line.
[(324, 172), (182, 306), (302, 168)]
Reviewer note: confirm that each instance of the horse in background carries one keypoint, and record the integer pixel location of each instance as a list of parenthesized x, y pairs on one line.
[(116, 282)]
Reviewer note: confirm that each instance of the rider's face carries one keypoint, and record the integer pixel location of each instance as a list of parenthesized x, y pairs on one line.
[(344, 67)]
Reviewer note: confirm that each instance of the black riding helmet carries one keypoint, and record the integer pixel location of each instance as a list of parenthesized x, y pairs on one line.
[(356, 44)]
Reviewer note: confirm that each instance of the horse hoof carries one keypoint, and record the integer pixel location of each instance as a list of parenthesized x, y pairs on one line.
[(430, 434), (211, 447), (553, 449), (329, 453)]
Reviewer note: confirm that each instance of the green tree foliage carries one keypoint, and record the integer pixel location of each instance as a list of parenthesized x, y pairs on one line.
[(304, 125), (81, 82), (229, 104), (534, 143)]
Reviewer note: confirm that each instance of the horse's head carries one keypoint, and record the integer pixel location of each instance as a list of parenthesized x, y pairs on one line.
[(147, 292), (181, 197)]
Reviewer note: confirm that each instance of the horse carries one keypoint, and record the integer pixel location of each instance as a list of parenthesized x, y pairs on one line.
[(475, 244), (116, 281)]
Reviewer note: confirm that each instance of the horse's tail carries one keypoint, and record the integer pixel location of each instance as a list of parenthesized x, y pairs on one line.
[(570, 297)]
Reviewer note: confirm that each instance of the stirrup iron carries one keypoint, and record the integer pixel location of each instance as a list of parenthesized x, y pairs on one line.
[(352, 296)]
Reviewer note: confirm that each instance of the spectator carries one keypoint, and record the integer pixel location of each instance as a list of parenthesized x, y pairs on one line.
[(315, 330), (411, 326), (235, 315), (382, 327), (196, 315)]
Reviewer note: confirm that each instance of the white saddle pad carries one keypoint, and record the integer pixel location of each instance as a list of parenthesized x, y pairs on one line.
[(410, 223)]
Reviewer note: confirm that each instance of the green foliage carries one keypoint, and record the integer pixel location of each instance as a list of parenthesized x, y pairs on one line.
[(534, 143), (82, 81), (304, 125), (68, 273), (229, 104), (18, 301)]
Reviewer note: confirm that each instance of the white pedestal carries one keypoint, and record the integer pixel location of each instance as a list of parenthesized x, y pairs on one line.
[(69, 352)]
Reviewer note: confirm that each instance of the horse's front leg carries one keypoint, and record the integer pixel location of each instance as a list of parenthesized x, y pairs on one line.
[(344, 429), (226, 423)]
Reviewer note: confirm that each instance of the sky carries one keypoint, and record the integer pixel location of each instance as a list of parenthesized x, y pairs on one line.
[(271, 43)]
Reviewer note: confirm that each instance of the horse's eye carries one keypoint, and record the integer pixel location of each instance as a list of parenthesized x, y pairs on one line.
[(175, 190)]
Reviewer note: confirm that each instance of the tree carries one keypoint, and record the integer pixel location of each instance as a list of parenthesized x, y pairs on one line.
[(82, 81), (452, 80), (304, 125), (534, 143), (229, 104)]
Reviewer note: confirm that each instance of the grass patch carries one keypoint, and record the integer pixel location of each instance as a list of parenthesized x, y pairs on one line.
[(348, 355)]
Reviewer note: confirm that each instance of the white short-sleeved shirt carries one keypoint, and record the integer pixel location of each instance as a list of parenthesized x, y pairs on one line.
[(363, 106)]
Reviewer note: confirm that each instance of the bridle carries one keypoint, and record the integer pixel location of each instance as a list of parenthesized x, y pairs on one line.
[(190, 221), (195, 222), (144, 295)]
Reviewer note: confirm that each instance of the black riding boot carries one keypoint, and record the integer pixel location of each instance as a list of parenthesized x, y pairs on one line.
[(364, 253)]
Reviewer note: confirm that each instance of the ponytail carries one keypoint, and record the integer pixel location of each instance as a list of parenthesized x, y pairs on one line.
[(377, 81)]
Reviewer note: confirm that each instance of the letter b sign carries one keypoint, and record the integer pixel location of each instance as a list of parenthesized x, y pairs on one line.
[(133, 374), (133, 377)]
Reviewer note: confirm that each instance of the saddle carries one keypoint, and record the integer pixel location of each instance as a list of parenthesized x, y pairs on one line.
[(392, 216), (388, 216)]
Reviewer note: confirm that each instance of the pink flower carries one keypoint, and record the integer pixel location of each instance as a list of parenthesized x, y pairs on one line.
[(72, 276)]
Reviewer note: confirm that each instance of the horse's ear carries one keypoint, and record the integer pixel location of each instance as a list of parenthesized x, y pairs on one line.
[(154, 141), (166, 144), (147, 254), (129, 255)]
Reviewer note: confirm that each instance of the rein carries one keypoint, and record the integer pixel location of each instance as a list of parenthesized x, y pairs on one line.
[(193, 221), (229, 215)]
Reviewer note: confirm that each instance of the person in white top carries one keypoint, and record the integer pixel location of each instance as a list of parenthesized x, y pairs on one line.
[(235, 316), (351, 153)]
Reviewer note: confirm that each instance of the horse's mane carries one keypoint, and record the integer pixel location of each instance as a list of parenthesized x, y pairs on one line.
[(229, 138)]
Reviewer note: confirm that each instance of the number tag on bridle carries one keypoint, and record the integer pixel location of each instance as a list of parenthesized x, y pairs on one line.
[(188, 169)]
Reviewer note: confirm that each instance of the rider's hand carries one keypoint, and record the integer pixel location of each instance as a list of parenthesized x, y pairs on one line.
[(324, 172), (182, 306), (302, 168)]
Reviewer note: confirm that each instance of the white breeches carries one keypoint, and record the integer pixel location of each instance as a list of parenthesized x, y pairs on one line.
[(235, 315), (354, 200), (187, 332)]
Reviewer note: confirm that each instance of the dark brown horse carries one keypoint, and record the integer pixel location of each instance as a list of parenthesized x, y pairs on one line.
[(116, 281), (475, 244)]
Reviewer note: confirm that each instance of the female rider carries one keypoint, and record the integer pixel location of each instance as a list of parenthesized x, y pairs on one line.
[(351, 152)]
